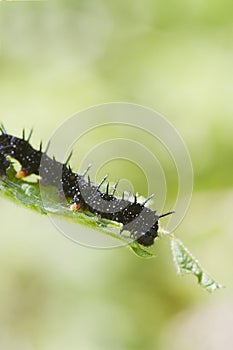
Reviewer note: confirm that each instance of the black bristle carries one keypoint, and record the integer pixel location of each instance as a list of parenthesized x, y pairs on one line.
[(30, 135)]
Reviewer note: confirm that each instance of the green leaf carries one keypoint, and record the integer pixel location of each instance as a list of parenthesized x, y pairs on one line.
[(28, 194), (139, 251), (186, 263)]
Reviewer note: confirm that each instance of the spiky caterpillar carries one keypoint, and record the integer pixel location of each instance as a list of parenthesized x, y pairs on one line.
[(140, 221)]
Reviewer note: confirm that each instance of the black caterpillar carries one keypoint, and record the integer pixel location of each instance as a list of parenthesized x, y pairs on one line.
[(140, 221)]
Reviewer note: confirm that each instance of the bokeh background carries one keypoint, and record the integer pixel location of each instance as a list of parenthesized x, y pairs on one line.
[(58, 58)]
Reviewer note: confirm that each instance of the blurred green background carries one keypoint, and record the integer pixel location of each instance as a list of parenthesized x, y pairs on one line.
[(175, 57)]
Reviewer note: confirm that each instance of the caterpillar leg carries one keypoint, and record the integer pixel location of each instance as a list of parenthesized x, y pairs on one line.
[(21, 174), (75, 206)]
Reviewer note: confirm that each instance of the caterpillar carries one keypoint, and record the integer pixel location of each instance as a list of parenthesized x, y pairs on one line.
[(81, 193)]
